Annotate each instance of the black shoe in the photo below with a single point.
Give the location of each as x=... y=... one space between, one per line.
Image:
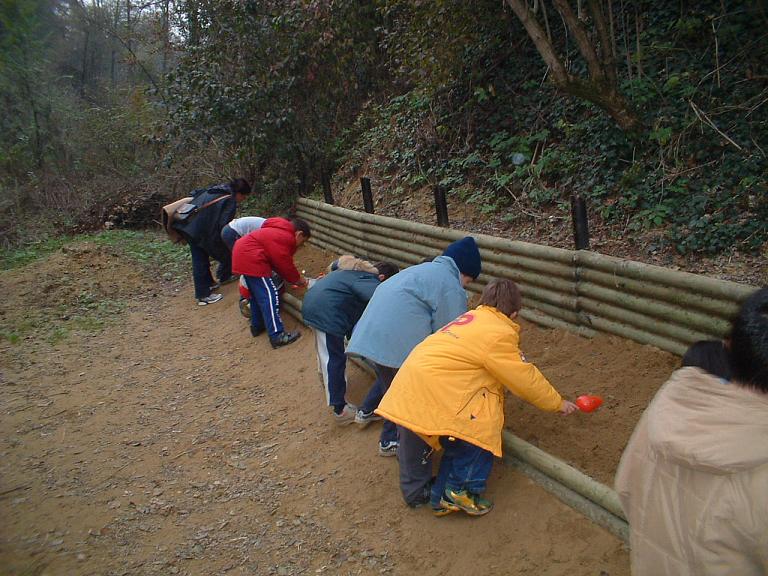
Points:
x=423 y=498
x=256 y=331
x=284 y=338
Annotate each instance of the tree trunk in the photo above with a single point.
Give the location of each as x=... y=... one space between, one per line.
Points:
x=602 y=86
x=166 y=35
x=84 y=72
x=129 y=40
x=113 y=48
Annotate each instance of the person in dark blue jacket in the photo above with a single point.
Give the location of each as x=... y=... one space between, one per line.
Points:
x=217 y=205
x=332 y=307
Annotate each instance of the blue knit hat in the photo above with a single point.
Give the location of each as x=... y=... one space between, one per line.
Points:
x=466 y=255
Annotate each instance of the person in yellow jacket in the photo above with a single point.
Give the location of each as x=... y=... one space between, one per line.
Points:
x=450 y=391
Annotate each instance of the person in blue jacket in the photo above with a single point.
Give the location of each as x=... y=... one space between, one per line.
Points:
x=403 y=311
x=332 y=307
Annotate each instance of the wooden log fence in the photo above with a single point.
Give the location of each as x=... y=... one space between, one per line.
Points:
x=579 y=290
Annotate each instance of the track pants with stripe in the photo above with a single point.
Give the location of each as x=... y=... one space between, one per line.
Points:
x=333 y=365
x=265 y=305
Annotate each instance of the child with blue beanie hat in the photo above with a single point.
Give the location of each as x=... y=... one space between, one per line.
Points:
x=466 y=255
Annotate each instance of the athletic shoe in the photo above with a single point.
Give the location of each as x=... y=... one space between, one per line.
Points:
x=346 y=416
x=245 y=307
x=365 y=418
x=472 y=504
x=215 y=286
x=210 y=299
x=284 y=338
x=256 y=331
x=439 y=511
x=388 y=448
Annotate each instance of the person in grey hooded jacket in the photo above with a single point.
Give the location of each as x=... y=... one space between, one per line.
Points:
x=403 y=311
x=693 y=480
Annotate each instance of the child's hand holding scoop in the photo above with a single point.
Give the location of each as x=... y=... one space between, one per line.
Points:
x=567 y=407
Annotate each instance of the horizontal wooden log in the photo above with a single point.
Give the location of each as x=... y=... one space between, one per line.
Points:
x=725 y=309
x=711 y=287
x=597 y=309
x=434 y=246
x=599 y=515
x=542 y=319
x=638 y=335
x=658 y=312
x=377 y=234
x=305 y=205
x=563 y=473
x=489 y=269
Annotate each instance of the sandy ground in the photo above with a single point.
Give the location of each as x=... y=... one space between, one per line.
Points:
x=172 y=442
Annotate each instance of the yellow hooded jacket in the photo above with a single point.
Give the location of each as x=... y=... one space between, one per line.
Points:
x=452 y=384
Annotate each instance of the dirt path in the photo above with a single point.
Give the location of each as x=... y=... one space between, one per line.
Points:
x=172 y=442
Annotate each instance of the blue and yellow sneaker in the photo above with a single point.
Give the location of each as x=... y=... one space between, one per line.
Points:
x=472 y=504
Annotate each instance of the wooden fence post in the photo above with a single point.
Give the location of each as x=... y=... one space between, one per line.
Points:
x=365 y=185
x=441 y=207
x=580 y=223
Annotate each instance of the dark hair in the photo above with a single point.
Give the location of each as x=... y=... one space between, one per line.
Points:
x=502 y=294
x=386 y=268
x=749 y=342
x=240 y=186
x=709 y=355
x=301 y=226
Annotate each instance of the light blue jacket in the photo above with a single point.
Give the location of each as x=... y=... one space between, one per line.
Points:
x=407 y=308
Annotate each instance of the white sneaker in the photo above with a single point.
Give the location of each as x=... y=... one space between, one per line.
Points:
x=388 y=448
x=347 y=415
x=210 y=299
x=365 y=418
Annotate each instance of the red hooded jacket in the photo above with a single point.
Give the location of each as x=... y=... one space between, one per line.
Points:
x=269 y=248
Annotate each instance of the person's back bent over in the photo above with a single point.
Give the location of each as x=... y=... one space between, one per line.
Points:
x=254 y=256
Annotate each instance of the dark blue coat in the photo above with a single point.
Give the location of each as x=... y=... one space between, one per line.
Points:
x=204 y=228
x=336 y=302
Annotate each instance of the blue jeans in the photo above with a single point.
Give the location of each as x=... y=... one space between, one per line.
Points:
x=464 y=467
x=201 y=271
x=384 y=377
x=265 y=305
x=229 y=236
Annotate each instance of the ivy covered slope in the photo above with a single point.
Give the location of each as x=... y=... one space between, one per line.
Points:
x=473 y=107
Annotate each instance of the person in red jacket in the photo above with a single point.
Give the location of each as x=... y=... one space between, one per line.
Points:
x=256 y=256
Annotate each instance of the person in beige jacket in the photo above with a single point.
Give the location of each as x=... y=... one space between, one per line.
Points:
x=693 y=480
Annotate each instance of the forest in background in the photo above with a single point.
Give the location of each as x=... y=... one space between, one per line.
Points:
x=655 y=112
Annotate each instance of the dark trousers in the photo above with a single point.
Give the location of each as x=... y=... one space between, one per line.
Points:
x=229 y=237
x=201 y=271
x=464 y=467
x=414 y=456
x=415 y=459
x=333 y=364
x=224 y=271
x=265 y=305
x=374 y=396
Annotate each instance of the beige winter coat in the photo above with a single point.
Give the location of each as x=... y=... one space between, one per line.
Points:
x=693 y=480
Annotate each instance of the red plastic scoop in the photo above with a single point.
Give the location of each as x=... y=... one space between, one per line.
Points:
x=589 y=403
